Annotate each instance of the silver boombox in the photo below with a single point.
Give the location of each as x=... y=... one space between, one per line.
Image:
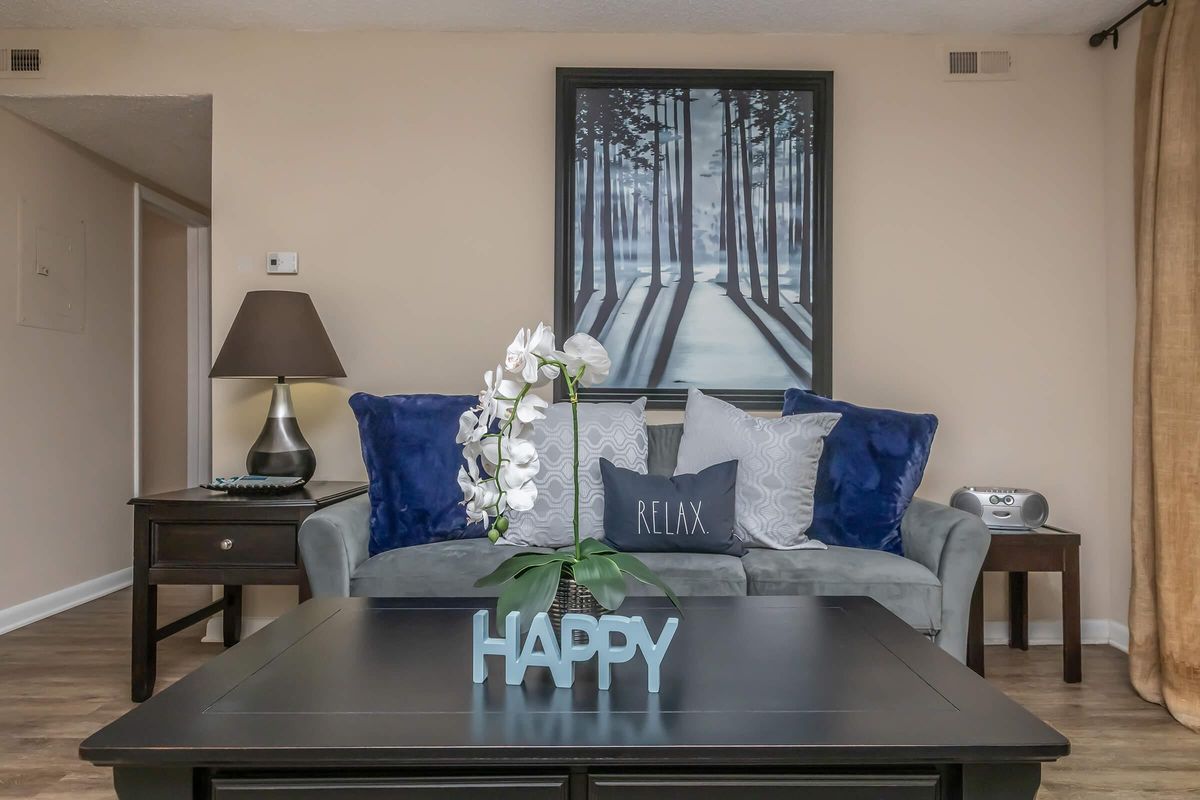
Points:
x=1003 y=509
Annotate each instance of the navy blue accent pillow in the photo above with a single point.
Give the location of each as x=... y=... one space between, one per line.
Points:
x=680 y=514
x=412 y=463
x=870 y=469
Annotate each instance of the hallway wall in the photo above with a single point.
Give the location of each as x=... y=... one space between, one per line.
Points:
x=66 y=424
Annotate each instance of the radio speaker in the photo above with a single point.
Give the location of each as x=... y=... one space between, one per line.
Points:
x=1003 y=508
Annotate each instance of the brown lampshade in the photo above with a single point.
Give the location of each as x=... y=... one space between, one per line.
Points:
x=277 y=334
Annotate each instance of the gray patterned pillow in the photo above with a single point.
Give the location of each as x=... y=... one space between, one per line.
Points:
x=777 y=466
x=616 y=431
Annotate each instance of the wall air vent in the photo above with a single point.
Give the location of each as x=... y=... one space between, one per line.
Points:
x=961 y=64
x=20 y=62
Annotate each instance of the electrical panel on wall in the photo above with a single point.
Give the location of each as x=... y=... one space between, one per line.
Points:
x=20 y=62
x=53 y=271
x=977 y=64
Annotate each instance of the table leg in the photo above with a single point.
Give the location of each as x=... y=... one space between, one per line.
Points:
x=231 y=617
x=1072 y=638
x=1018 y=610
x=1016 y=781
x=145 y=624
x=144 y=640
x=975 y=629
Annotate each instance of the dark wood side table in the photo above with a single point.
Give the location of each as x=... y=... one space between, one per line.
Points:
x=198 y=536
x=1018 y=553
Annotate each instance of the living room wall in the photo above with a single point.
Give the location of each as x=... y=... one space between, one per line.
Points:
x=414 y=175
x=66 y=425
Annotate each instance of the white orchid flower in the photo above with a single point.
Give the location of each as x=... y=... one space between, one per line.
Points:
x=523 y=497
x=520 y=466
x=492 y=450
x=485 y=499
x=529 y=409
x=526 y=352
x=583 y=351
x=488 y=409
x=468 y=476
x=469 y=429
x=475 y=513
x=472 y=450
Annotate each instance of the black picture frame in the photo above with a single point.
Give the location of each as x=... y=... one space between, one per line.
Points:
x=820 y=83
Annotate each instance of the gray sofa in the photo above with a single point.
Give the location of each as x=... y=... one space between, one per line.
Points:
x=929 y=588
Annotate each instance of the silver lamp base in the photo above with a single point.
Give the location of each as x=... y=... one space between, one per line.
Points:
x=281 y=450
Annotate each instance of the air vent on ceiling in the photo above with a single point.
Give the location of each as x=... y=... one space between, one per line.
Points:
x=978 y=65
x=20 y=62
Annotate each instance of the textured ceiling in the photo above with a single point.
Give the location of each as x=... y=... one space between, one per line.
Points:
x=167 y=140
x=651 y=16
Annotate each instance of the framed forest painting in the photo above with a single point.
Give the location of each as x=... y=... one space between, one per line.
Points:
x=693 y=230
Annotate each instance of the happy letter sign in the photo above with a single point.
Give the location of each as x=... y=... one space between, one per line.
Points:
x=560 y=656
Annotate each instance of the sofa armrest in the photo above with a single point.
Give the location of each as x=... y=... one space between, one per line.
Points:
x=952 y=545
x=333 y=543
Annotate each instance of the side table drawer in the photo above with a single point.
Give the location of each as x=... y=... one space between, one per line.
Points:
x=186 y=544
x=768 y=787
x=549 y=787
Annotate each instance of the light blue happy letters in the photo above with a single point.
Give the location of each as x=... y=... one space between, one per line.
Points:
x=542 y=649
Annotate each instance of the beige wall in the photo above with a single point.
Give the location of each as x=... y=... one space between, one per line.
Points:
x=1120 y=69
x=65 y=417
x=414 y=173
x=163 y=368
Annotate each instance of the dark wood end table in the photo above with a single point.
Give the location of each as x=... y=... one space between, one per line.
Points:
x=198 y=536
x=1018 y=553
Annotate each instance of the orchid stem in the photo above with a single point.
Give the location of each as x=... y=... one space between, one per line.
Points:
x=573 y=393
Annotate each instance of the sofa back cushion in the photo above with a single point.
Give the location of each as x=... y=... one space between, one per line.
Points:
x=662 y=448
x=412 y=463
x=616 y=431
x=872 y=465
x=777 y=465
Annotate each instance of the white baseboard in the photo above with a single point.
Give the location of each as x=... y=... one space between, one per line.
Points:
x=1049 y=631
x=48 y=605
x=250 y=625
x=1118 y=635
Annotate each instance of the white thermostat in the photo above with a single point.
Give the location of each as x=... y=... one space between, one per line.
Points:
x=282 y=264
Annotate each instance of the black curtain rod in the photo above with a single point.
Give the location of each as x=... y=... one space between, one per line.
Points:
x=1098 y=37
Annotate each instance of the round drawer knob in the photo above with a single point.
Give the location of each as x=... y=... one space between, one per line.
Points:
x=227 y=544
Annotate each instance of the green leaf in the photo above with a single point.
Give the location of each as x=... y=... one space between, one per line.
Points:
x=530 y=592
x=602 y=577
x=593 y=547
x=518 y=564
x=631 y=566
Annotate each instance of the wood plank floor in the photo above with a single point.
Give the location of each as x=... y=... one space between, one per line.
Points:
x=65 y=677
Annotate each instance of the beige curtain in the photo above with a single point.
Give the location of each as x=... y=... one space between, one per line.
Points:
x=1164 y=609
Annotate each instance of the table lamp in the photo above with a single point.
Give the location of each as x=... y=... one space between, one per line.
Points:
x=278 y=335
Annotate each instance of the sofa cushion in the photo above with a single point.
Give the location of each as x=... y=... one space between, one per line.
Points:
x=662 y=453
x=683 y=514
x=690 y=574
x=440 y=569
x=616 y=431
x=412 y=462
x=777 y=465
x=871 y=467
x=904 y=587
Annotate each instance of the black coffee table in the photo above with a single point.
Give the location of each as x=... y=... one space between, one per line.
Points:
x=764 y=698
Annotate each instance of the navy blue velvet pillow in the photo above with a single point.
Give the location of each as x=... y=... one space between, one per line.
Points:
x=680 y=514
x=412 y=463
x=871 y=467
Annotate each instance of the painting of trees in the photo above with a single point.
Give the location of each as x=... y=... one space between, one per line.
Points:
x=730 y=293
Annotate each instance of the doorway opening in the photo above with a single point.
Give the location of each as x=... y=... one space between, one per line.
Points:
x=172 y=397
